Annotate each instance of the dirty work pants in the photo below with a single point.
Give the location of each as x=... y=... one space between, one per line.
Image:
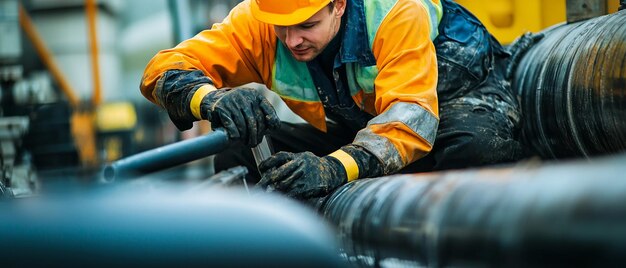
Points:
x=479 y=115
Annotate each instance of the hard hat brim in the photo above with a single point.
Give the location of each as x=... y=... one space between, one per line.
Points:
x=294 y=18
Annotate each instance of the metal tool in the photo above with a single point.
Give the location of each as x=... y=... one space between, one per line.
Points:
x=262 y=151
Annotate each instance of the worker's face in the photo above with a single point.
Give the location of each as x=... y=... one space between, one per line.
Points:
x=309 y=38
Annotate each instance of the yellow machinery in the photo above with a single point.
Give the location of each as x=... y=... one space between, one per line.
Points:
x=90 y=117
x=508 y=19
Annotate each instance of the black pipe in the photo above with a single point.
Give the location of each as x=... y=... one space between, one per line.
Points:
x=568 y=215
x=572 y=86
x=167 y=156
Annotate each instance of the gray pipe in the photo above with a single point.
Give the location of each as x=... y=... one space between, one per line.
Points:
x=569 y=215
x=130 y=227
x=572 y=87
x=167 y=156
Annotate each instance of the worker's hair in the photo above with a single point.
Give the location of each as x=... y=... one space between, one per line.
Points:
x=331 y=5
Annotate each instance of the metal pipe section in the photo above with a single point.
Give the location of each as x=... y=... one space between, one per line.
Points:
x=572 y=86
x=167 y=156
x=565 y=215
x=129 y=227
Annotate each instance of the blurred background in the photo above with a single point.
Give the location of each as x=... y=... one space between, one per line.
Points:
x=70 y=70
x=69 y=77
x=70 y=104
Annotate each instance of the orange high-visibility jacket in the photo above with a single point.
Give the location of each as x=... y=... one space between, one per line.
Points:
x=398 y=87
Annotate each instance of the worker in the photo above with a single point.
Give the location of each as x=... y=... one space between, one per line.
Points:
x=385 y=86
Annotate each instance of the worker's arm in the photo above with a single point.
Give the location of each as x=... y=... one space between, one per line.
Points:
x=404 y=130
x=406 y=90
x=235 y=52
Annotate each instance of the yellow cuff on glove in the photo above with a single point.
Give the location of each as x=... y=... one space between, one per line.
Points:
x=196 y=99
x=352 y=169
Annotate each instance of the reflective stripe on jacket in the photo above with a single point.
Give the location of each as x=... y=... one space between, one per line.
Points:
x=392 y=74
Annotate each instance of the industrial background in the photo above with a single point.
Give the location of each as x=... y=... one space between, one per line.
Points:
x=71 y=105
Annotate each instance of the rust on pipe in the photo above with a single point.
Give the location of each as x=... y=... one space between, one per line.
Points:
x=91 y=11
x=46 y=57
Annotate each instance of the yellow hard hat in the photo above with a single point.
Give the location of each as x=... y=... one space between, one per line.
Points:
x=286 y=12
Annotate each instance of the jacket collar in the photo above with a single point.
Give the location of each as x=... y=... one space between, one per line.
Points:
x=355 y=45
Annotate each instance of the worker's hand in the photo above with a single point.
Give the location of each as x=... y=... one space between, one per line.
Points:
x=243 y=112
x=302 y=175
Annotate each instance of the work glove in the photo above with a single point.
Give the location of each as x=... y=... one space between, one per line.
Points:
x=302 y=175
x=244 y=113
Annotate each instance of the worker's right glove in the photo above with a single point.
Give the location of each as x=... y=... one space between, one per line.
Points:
x=305 y=175
x=243 y=112
x=302 y=175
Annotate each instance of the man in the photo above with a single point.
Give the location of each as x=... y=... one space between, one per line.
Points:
x=378 y=81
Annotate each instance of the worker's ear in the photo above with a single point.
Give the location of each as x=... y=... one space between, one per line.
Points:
x=340 y=7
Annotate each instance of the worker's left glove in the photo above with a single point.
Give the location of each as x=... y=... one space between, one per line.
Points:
x=302 y=175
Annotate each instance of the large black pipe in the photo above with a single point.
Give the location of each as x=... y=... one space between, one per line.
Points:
x=167 y=156
x=568 y=215
x=572 y=87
